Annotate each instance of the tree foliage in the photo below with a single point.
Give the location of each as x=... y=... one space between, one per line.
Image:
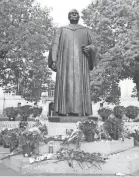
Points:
x=115 y=24
x=25 y=36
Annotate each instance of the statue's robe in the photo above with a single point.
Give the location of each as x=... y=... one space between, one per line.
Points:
x=72 y=90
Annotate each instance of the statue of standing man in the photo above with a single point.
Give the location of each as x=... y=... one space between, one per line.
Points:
x=72 y=56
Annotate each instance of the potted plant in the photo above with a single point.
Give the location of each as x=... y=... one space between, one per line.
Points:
x=13 y=142
x=36 y=111
x=119 y=111
x=113 y=127
x=89 y=129
x=4 y=138
x=28 y=141
x=132 y=112
x=25 y=112
x=135 y=135
x=6 y=141
x=104 y=113
x=11 y=113
x=14 y=138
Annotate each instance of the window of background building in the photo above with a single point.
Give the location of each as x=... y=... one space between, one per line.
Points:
x=51 y=90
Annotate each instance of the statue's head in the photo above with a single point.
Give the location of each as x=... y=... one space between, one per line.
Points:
x=73 y=16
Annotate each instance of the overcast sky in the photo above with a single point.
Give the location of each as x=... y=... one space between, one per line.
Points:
x=60 y=8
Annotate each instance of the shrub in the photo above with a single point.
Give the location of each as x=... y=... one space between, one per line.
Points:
x=11 y=112
x=119 y=111
x=36 y=111
x=25 y=112
x=132 y=112
x=114 y=128
x=104 y=113
x=88 y=127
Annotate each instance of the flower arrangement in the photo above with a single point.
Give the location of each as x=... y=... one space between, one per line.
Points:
x=119 y=111
x=104 y=113
x=113 y=127
x=10 y=138
x=69 y=132
x=4 y=137
x=88 y=126
x=25 y=112
x=28 y=141
x=36 y=111
x=95 y=159
x=89 y=129
x=132 y=132
x=13 y=141
x=43 y=129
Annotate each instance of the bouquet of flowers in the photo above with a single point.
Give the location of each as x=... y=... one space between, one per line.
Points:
x=89 y=129
x=104 y=113
x=28 y=141
x=5 y=137
x=43 y=129
x=36 y=111
x=25 y=112
x=113 y=127
x=95 y=159
x=10 y=138
x=132 y=132
x=15 y=135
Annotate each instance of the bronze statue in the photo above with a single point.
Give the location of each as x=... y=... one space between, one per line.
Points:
x=72 y=56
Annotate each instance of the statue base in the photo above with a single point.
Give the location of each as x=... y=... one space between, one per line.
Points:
x=71 y=119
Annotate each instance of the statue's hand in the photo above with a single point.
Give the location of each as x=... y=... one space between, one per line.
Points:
x=54 y=67
x=86 y=50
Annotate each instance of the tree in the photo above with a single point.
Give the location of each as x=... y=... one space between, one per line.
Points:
x=25 y=36
x=115 y=26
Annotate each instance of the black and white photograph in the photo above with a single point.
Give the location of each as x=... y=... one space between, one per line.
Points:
x=69 y=88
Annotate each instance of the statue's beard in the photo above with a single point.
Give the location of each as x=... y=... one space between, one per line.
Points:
x=74 y=21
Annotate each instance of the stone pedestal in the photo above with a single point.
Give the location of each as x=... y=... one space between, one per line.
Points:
x=59 y=128
x=68 y=119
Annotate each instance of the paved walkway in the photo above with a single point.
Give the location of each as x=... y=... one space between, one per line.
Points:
x=4 y=171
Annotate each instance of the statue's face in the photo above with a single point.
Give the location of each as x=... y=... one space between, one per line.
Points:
x=73 y=16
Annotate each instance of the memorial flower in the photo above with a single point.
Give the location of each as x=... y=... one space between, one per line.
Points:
x=89 y=127
x=94 y=159
x=132 y=131
x=28 y=141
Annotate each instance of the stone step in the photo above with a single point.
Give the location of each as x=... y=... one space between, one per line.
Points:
x=70 y=119
x=126 y=162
